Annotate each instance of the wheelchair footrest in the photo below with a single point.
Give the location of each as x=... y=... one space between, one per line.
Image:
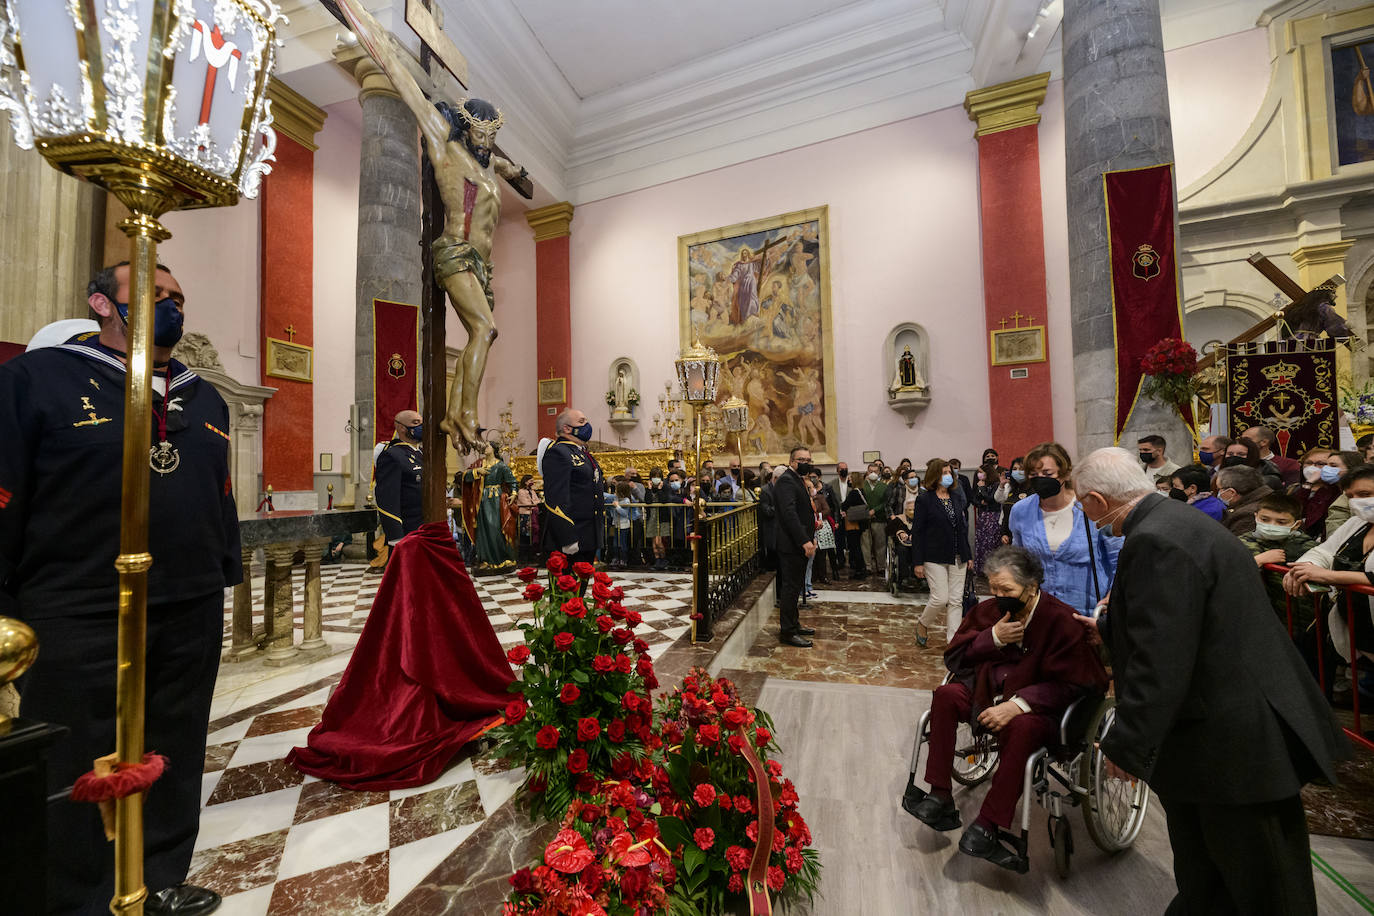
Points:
x=1015 y=858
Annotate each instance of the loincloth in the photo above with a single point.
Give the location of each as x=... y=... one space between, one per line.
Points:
x=455 y=256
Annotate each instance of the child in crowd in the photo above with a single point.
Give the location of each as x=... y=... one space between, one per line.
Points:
x=1279 y=538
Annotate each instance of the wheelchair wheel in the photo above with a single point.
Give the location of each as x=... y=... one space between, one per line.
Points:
x=1115 y=811
x=892 y=570
x=975 y=756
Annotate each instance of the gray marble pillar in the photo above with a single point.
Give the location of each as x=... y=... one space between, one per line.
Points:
x=1116 y=116
x=388 y=234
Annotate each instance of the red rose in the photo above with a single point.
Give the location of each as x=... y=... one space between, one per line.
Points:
x=623 y=663
x=515 y=711
x=622 y=636
x=616 y=731
x=734 y=717
x=761 y=737
x=708 y=734
x=721 y=699
x=585 y=784
x=600 y=589
x=522 y=881
x=617 y=593
x=533 y=592
x=737 y=857
x=603 y=664
x=634 y=882
x=547 y=738
x=574 y=607
x=641 y=646
x=644 y=666
x=776 y=878
x=557 y=562
x=704 y=795
x=623 y=765
x=569 y=694
x=651 y=681
x=583 y=569
x=630 y=701
x=633 y=619
x=577 y=761
x=605 y=624
x=603 y=578
x=563 y=641
x=518 y=655
x=704 y=837
x=567 y=583
x=736 y=743
x=592 y=879
x=588 y=729
x=617 y=610
x=527 y=574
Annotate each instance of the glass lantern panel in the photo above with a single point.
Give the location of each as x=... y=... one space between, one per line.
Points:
x=125 y=31
x=55 y=93
x=213 y=82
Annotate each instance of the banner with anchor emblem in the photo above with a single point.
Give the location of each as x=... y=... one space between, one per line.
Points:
x=1293 y=394
x=396 y=362
x=1145 y=301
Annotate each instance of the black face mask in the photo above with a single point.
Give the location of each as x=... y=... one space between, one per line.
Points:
x=1180 y=495
x=843 y=472
x=806 y=469
x=1234 y=461
x=1045 y=487
x=1009 y=604
x=1147 y=457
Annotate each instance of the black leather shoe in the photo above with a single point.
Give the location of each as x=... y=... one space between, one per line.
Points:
x=794 y=640
x=182 y=900
x=805 y=631
x=982 y=843
x=936 y=814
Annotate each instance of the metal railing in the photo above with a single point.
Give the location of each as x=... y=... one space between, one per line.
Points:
x=655 y=536
x=727 y=559
x=1347 y=594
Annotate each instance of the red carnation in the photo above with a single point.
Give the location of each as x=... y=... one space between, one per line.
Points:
x=563 y=641
x=752 y=831
x=583 y=569
x=577 y=761
x=567 y=583
x=605 y=624
x=603 y=664
x=776 y=878
x=574 y=607
x=557 y=562
x=527 y=574
x=738 y=857
x=588 y=729
x=793 y=859
x=743 y=805
x=533 y=592
x=515 y=711
x=704 y=795
x=704 y=837
x=518 y=655
x=569 y=694
x=547 y=738
x=522 y=881
x=623 y=663
x=725 y=804
x=735 y=884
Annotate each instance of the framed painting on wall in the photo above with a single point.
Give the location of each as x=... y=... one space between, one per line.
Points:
x=1352 y=101
x=1014 y=346
x=553 y=390
x=758 y=293
x=286 y=359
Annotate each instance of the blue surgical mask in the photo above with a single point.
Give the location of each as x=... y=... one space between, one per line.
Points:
x=584 y=432
x=167 y=321
x=1204 y=456
x=417 y=432
x=947 y=480
x=1018 y=475
x=1330 y=474
x=1268 y=532
x=675 y=485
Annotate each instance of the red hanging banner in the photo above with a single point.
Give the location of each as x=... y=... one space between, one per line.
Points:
x=396 y=363
x=1145 y=301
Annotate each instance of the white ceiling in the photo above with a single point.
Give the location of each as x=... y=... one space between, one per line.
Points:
x=607 y=96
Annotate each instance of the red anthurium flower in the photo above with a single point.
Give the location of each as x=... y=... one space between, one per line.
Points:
x=568 y=852
x=629 y=852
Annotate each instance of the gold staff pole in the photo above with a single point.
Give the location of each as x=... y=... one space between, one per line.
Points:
x=698 y=369
x=698 y=506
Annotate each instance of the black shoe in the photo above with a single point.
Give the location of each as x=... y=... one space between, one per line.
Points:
x=936 y=814
x=805 y=631
x=796 y=640
x=982 y=843
x=182 y=900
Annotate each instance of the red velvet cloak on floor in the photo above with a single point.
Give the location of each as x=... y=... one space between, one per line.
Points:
x=428 y=674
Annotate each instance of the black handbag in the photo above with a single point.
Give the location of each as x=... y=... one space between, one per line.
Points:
x=970 y=592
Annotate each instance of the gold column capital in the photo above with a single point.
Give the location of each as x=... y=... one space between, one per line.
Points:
x=294 y=115
x=551 y=222
x=1007 y=105
x=1322 y=253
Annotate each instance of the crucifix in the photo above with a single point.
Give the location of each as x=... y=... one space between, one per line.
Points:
x=460 y=164
x=290 y=332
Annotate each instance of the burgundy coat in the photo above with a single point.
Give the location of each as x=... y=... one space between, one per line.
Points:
x=1051 y=667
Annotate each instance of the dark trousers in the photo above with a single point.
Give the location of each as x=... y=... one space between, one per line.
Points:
x=791 y=576
x=853 y=541
x=1020 y=738
x=73 y=684
x=1250 y=859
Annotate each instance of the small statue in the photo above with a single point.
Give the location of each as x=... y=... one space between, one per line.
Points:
x=488 y=486
x=622 y=393
x=908 y=377
x=1305 y=320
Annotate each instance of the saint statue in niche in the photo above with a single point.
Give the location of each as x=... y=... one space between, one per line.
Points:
x=908 y=376
x=622 y=393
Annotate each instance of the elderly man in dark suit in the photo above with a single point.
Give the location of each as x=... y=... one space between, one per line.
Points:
x=1214 y=707
x=796 y=528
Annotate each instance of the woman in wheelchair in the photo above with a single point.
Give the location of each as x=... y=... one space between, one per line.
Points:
x=899 y=533
x=1016 y=663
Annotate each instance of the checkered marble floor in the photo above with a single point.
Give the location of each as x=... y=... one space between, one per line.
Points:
x=274 y=841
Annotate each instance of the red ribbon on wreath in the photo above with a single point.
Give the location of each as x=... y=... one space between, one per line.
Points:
x=757 y=889
x=111 y=780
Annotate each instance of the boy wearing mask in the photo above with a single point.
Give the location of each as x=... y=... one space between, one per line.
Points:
x=1279 y=538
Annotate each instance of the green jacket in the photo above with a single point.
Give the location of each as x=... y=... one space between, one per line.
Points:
x=875 y=494
x=1293 y=546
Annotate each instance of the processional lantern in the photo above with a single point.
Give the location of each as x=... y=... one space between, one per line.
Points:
x=736 y=413
x=698 y=371
x=162 y=103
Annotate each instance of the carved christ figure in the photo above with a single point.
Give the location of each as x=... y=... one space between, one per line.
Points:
x=459 y=139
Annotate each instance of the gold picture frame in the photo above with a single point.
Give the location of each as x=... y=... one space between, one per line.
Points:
x=553 y=391
x=326 y=462
x=779 y=357
x=1018 y=346
x=289 y=360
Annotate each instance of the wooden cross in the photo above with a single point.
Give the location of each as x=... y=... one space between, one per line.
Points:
x=291 y=333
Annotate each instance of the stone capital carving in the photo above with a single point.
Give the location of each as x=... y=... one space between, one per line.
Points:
x=197 y=352
x=551 y=222
x=364 y=70
x=1008 y=105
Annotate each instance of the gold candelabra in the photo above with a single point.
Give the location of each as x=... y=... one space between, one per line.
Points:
x=670 y=428
x=508 y=433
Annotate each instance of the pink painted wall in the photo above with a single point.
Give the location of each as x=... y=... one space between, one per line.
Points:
x=511 y=368
x=1215 y=91
x=336 y=260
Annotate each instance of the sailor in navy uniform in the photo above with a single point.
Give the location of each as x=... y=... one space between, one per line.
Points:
x=573 y=502
x=397 y=473
x=61 y=441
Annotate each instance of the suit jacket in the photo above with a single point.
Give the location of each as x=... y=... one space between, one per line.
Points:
x=398 y=471
x=934 y=539
x=768 y=515
x=1051 y=667
x=796 y=520
x=1213 y=702
x=574 y=507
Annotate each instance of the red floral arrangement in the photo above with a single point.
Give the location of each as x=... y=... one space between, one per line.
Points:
x=583 y=710
x=607 y=860
x=711 y=811
x=1169 y=367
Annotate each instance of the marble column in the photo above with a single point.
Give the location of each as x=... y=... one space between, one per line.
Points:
x=388 y=234
x=279 y=611
x=313 y=631
x=243 y=644
x=1116 y=116
x=50 y=224
x=553 y=301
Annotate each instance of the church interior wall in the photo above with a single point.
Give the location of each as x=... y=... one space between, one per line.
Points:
x=1215 y=91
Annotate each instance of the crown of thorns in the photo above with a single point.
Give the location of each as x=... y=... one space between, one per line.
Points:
x=481 y=123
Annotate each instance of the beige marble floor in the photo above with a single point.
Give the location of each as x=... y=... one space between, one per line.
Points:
x=847 y=747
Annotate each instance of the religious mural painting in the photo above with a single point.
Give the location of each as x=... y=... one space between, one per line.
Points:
x=758 y=293
x=1352 y=102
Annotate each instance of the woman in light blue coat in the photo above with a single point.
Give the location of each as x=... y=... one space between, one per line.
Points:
x=1079 y=561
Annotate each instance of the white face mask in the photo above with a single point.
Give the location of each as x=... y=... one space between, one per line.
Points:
x=1312 y=473
x=655 y=480
x=872 y=476
x=1270 y=532
x=1363 y=508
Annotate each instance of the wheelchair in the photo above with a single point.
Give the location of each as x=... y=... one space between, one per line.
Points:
x=1069 y=774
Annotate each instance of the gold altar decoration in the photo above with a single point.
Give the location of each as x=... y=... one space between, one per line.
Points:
x=163 y=104
x=612 y=463
x=18 y=649
x=508 y=435
x=670 y=426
